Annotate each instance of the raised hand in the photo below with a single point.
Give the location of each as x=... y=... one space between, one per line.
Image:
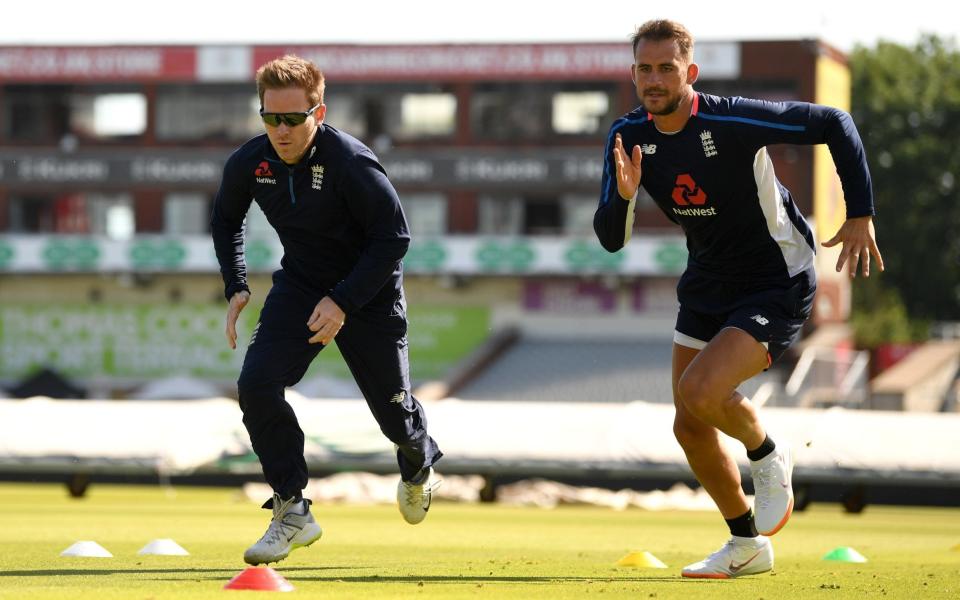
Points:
x=628 y=169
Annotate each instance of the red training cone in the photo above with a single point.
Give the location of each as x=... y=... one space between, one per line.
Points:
x=259 y=578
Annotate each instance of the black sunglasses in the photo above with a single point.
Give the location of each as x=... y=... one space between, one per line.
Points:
x=292 y=119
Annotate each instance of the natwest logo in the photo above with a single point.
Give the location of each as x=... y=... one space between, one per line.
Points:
x=263 y=170
x=687 y=192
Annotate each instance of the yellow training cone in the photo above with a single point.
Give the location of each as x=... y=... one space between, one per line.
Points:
x=641 y=559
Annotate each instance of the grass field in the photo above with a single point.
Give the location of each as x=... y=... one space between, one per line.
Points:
x=460 y=551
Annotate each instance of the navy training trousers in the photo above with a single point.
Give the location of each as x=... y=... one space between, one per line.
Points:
x=374 y=345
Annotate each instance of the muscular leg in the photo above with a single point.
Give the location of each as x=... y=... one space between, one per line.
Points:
x=704 y=391
x=707 y=387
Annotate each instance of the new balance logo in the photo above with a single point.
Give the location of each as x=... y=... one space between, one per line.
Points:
x=398 y=398
x=648 y=149
x=761 y=319
x=253 y=336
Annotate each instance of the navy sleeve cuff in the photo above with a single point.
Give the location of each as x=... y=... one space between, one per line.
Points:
x=234 y=288
x=341 y=301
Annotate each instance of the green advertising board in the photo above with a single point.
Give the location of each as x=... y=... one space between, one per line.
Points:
x=438 y=338
x=134 y=342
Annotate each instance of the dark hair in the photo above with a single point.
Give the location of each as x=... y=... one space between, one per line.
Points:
x=658 y=30
x=291 y=72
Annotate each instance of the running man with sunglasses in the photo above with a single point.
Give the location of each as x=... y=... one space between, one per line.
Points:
x=344 y=235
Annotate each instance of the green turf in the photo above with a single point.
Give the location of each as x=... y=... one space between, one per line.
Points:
x=460 y=551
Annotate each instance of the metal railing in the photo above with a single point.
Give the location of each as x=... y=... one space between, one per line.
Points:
x=827 y=377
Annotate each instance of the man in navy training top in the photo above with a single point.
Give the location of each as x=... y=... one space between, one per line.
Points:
x=341 y=277
x=749 y=283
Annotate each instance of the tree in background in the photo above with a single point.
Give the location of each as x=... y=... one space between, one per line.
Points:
x=906 y=102
x=881 y=317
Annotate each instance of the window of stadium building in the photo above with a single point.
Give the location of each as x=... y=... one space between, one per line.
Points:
x=506 y=111
x=35 y=113
x=519 y=215
x=381 y=114
x=426 y=213
x=186 y=213
x=499 y=215
x=347 y=112
x=427 y=115
x=578 y=211
x=36 y=214
x=185 y=112
x=54 y=113
x=542 y=216
x=109 y=215
x=108 y=115
x=580 y=113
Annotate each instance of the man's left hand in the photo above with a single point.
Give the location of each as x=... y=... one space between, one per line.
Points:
x=326 y=321
x=858 y=243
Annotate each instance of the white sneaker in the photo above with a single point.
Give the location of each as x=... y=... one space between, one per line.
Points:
x=292 y=527
x=739 y=556
x=414 y=498
x=773 y=490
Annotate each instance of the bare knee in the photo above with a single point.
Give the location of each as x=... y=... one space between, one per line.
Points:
x=697 y=394
x=691 y=432
x=686 y=434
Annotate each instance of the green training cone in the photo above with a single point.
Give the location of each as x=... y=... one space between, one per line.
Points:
x=845 y=554
x=641 y=559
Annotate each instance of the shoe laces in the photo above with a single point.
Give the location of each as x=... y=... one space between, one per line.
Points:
x=418 y=498
x=279 y=529
x=763 y=476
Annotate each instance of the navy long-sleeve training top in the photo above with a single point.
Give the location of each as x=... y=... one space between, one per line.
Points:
x=337 y=215
x=715 y=179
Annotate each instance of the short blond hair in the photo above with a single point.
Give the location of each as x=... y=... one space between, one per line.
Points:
x=659 y=30
x=291 y=71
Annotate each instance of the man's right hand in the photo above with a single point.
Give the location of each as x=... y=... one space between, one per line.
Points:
x=628 y=169
x=237 y=302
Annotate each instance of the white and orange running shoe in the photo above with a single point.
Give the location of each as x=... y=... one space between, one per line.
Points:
x=739 y=556
x=773 y=490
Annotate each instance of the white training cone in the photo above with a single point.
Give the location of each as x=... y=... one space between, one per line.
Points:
x=87 y=548
x=164 y=547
